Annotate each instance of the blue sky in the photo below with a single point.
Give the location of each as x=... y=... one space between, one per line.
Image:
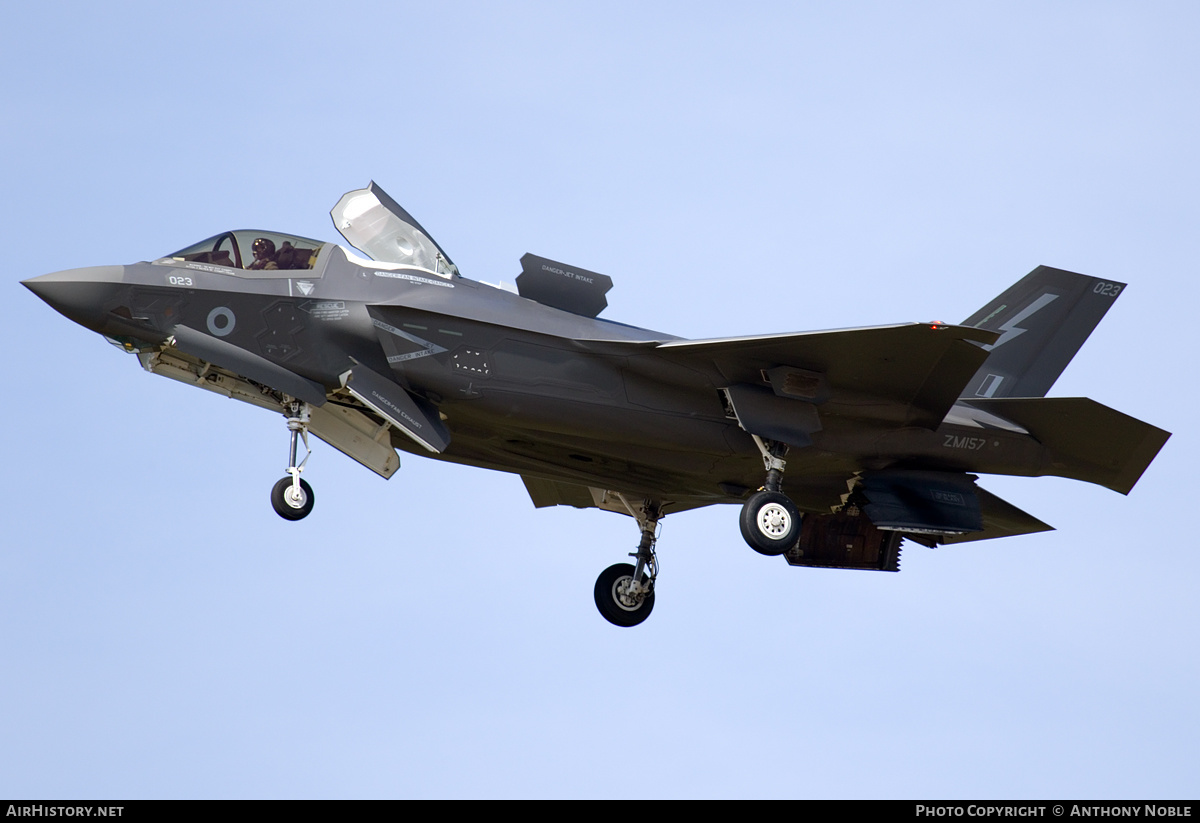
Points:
x=778 y=167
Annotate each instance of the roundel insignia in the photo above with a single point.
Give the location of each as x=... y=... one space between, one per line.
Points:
x=221 y=321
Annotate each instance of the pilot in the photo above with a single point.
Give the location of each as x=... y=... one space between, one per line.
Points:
x=264 y=255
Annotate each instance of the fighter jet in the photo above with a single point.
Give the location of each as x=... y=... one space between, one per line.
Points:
x=837 y=445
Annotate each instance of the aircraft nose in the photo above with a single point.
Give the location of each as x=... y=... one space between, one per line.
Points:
x=78 y=294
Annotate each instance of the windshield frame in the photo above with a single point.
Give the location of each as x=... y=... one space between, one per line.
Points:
x=231 y=253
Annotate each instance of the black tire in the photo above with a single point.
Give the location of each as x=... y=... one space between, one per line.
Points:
x=285 y=506
x=610 y=605
x=770 y=523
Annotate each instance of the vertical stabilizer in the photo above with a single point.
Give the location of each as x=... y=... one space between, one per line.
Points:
x=1043 y=319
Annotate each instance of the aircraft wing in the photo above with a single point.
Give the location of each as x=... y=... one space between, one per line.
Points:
x=544 y=492
x=920 y=368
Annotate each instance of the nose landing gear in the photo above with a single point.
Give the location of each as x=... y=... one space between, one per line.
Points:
x=292 y=498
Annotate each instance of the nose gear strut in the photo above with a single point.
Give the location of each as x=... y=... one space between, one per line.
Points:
x=292 y=497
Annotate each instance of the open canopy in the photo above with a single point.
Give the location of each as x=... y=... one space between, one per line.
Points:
x=372 y=221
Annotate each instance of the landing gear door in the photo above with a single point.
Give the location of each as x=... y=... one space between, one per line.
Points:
x=376 y=224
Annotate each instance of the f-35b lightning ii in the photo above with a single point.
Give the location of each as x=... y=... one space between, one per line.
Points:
x=837 y=445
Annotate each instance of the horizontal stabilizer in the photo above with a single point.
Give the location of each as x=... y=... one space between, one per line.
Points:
x=921 y=502
x=247 y=364
x=1043 y=319
x=941 y=507
x=560 y=286
x=1086 y=440
x=1000 y=519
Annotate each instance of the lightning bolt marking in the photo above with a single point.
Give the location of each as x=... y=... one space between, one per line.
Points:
x=1012 y=330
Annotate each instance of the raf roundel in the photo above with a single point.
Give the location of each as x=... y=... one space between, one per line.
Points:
x=221 y=321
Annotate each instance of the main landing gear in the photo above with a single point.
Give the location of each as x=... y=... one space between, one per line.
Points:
x=624 y=592
x=292 y=498
x=770 y=521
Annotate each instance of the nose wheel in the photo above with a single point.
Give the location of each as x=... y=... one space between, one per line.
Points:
x=292 y=498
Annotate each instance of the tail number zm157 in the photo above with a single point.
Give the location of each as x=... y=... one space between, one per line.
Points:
x=953 y=441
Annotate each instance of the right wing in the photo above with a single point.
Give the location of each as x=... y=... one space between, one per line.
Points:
x=918 y=369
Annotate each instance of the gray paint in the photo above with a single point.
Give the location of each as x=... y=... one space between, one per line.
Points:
x=581 y=406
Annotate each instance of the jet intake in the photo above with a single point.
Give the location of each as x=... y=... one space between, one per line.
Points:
x=560 y=286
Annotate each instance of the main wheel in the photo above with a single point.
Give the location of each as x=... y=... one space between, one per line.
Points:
x=288 y=504
x=770 y=523
x=613 y=600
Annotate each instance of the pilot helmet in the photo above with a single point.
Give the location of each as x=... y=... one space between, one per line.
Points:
x=264 y=248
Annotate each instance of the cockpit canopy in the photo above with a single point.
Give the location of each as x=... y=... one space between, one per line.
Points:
x=372 y=221
x=253 y=251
